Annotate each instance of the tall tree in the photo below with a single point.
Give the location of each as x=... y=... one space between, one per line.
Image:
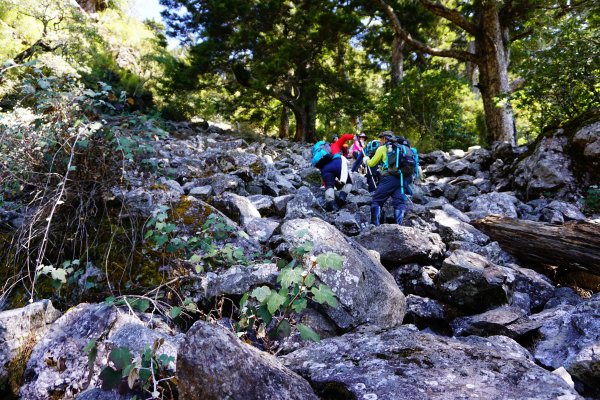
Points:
x=492 y=24
x=279 y=48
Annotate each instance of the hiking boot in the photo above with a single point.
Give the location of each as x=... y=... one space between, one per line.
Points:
x=375 y=215
x=340 y=198
x=399 y=215
x=330 y=206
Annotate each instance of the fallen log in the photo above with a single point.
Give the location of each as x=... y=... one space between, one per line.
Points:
x=573 y=245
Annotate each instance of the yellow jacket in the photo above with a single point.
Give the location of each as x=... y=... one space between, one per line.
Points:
x=380 y=156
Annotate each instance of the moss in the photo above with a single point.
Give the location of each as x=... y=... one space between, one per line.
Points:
x=16 y=367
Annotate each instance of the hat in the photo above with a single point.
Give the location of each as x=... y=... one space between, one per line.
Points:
x=363 y=135
x=386 y=134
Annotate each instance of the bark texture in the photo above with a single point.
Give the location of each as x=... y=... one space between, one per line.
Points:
x=573 y=245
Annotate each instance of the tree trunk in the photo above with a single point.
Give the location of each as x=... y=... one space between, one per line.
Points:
x=492 y=52
x=573 y=245
x=284 y=122
x=397 y=62
x=305 y=111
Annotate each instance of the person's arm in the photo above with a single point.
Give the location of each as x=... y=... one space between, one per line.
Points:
x=380 y=156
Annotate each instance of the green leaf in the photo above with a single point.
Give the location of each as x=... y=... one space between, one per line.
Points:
x=261 y=293
x=142 y=305
x=306 y=333
x=324 y=295
x=275 y=301
x=309 y=280
x=175 y=312
x=244 y=299
x=330 y=260
x=289 y=276
x=264 y=314
x=59 y=274
x=284 y=329
x=299 y=304
x=110 y=378
x=120 y=356
x=148 y=234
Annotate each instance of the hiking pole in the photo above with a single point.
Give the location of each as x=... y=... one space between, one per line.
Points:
x=369 y=169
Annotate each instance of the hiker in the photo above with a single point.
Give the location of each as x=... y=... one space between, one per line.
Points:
x=333 y=167
x=339 y=145
x=373 y=175
x=357 y=151
x=396 y=177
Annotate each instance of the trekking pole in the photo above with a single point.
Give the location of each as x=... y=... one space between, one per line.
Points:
x=369 y=169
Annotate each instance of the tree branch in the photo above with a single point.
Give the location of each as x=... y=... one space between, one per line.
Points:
x=451 y=15
x=419 y=46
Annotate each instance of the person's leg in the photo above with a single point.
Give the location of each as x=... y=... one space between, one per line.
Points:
x=329 y=173
x=387 y=186
x=358 y=161
x=399 y=202
x=343 y=194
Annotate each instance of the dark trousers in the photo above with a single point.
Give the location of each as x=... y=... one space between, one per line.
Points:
x=331 y=171
x=358 y=158
x=389 y=186
x=373 y=176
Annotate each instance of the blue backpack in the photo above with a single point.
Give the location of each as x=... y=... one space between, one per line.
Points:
x=321 y=154
x=402 y=158
x=371 y=147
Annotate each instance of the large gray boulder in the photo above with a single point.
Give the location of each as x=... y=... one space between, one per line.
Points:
x=495 y=203
x=588 y=138
x=303 y=205
x=573 y=342
x=405 y=364
x=238 y=208
x=402 y=244
x=453 y=229
x=213 y=364
x=20 y=329
x=64 y=343
x=366 y=292
x=547 y=169
x=471 y=281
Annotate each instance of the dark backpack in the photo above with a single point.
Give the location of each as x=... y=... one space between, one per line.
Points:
x=371 y=147
x=321 y=154
x=401 y=157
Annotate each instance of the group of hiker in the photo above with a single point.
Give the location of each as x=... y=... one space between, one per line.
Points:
x=390 y=162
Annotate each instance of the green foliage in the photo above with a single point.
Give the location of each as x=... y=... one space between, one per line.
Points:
x=270 y=312
x=148 y=373
x=433 y=108
x=592 y=200
x=205 y=250
x=561 y=68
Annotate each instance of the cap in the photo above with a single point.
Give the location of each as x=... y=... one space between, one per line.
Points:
x=387 y=134
x=363 y=135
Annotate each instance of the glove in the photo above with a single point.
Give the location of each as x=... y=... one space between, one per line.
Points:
x=366 y=159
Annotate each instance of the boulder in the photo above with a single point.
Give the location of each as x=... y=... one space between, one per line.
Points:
x=504 y=204
x=568 y=211
x=238 y=208
x=58 y=365
x=405 y=364
x=573 y=342
x=471 y=281
x=366 y=292
x=415 y=279
x=20 y=329
x=213 y=364
x=539 y=288
x=347 y=223
x=261 y=229
x=454 y=229
x=237 y=280
x=303 y=205
x=547 y=169
x=401 y=244
x=490 y=323
x=427 y=313
x=588 y=138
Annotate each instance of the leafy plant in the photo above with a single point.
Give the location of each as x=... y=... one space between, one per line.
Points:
x=147 y=373
x=270 y=312
x=592 y=200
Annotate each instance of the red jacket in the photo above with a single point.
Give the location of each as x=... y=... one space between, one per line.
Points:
x=338 y=145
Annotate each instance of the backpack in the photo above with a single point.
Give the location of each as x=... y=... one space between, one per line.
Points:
x=402 y=158
x=371 y=147
x=321 y=154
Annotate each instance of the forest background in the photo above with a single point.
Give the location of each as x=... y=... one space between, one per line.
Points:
x=311 y=69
